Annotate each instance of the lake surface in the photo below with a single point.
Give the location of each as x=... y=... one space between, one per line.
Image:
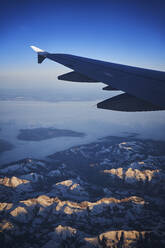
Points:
x=76 y=116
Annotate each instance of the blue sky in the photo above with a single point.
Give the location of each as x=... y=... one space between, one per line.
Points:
x=128 y=32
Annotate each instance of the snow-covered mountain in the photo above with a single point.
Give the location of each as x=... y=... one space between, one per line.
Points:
x=105 y=194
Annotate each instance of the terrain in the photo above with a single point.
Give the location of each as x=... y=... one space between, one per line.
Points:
x=105 y=194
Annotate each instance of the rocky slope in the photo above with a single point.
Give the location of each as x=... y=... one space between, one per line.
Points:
x=104 y=194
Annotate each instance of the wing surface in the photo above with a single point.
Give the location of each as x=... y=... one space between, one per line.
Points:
x=148 y=86
x=127 y=103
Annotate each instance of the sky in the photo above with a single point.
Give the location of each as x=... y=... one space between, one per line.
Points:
x=122 y=31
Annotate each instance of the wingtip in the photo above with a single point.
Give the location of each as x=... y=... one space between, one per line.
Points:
x=36 y=49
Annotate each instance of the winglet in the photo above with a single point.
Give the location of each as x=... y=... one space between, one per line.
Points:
x=36 y=49
x=41 y=54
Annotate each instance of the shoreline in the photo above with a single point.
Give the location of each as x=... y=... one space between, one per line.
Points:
x=159 y=144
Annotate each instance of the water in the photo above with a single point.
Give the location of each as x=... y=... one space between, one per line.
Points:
x=77 y=116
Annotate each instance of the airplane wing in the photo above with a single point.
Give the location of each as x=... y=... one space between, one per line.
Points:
x=144 y=89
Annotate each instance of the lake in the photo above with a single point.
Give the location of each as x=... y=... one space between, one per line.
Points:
x=78 y=116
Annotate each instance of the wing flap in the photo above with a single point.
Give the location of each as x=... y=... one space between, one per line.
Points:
x=109 y=87
x=127 y=103
x=76 y=77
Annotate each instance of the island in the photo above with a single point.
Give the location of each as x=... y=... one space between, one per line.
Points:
x=42 y=133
